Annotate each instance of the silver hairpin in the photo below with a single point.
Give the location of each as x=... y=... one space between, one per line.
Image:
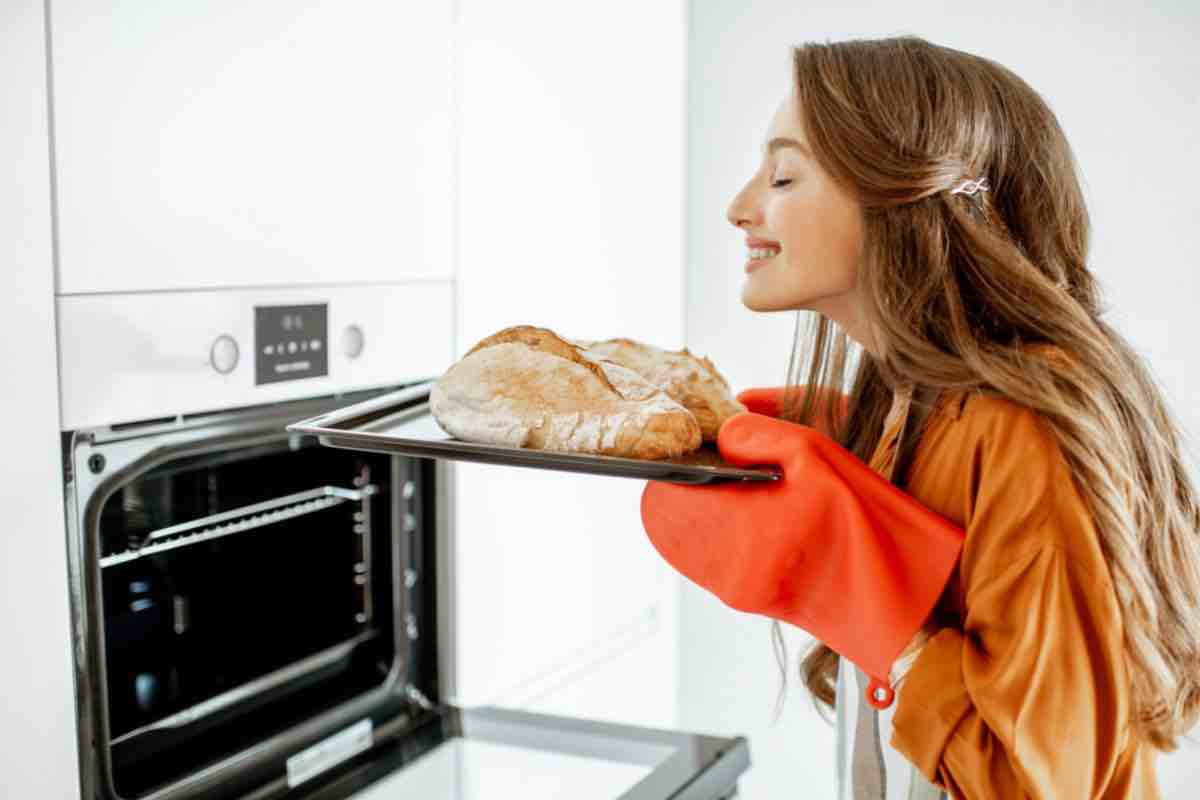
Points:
x=969 y=188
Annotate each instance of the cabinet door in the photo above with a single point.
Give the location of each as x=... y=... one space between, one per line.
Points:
x=39 y=757
x=223 y=143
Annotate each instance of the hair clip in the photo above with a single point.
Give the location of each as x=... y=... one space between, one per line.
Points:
x=969 y=188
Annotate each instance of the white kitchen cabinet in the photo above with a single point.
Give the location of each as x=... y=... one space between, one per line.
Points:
x=230 y=144
x=37 y=727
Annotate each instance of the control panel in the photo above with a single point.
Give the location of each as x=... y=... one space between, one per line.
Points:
x=290 y=342
x=199 y=351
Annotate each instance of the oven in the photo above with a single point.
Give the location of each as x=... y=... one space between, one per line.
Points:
x=256 y=221
x=256 y=615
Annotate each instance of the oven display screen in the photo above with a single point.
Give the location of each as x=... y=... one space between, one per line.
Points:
x=290 y=342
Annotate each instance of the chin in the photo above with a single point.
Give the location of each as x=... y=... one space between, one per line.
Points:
x=764 y=301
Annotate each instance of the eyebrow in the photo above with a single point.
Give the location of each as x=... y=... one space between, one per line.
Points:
x=782 y=141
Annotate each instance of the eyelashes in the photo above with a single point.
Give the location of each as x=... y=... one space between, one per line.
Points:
x=781 y=183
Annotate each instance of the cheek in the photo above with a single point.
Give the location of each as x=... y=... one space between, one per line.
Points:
x=822 y=240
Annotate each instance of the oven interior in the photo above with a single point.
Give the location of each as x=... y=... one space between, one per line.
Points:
x=240 y=583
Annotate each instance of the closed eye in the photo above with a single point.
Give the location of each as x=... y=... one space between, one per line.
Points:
x=777 y=184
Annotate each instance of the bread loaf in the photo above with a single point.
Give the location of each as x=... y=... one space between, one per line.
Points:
x=691 y=381
x=527 y=387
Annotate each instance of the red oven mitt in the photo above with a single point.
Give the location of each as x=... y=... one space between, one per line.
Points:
x=831 y=546
x=768 y=400
x=765 y=400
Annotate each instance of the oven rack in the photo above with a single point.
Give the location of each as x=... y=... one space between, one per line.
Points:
x=242 y=519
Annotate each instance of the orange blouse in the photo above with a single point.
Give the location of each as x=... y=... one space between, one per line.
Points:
x=1024 y=691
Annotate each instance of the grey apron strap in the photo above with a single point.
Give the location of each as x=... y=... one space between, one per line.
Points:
x=867 y=769
x=919 y=787
x=868 y=772
x=870 y=777
x=842 y=732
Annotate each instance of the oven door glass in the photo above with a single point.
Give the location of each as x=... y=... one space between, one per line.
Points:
x=240 y=585
x=468 y=769
x=495 y=754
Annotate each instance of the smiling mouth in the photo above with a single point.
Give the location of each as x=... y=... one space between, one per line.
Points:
x=760 y=257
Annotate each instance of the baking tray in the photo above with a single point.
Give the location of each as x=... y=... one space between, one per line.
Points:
x=400 y=422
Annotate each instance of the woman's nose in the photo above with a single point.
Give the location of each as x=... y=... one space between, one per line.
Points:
x=744 y=209
x=741 y=210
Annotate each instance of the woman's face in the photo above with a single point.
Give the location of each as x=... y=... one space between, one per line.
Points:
x=813 y=226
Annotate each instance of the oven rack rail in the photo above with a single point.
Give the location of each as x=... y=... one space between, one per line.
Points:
x=240 y=520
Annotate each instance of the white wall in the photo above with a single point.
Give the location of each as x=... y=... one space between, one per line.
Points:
x=570 y=217
x=1124 y=85
x=37 y=726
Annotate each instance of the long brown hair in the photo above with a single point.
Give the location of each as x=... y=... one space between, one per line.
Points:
x=958 y=286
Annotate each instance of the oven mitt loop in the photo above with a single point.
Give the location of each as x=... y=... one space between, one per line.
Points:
x=830 y=546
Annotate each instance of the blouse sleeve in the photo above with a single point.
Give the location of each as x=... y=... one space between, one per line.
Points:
x=1030 y=697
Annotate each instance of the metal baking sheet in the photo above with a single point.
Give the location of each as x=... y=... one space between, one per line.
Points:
x=400 y=422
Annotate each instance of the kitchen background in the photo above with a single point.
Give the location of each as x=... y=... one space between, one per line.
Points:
x=559 y=164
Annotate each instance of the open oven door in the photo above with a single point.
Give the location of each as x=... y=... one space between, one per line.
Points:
x=257 y=619
x=485 y=753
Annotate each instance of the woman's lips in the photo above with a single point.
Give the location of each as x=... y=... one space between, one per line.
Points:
x=755 y=263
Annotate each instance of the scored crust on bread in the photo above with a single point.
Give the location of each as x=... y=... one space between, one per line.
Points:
x=527 y=387
x=690 y=380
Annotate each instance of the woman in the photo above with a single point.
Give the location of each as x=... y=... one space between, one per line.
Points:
x=1024 y=597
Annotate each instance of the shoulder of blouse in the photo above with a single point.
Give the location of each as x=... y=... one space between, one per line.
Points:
x=994 y=463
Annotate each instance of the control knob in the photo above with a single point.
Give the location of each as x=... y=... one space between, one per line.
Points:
x=224 y=354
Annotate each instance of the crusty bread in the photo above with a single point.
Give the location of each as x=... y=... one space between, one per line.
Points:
x=694 y=382
x=527 y=387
